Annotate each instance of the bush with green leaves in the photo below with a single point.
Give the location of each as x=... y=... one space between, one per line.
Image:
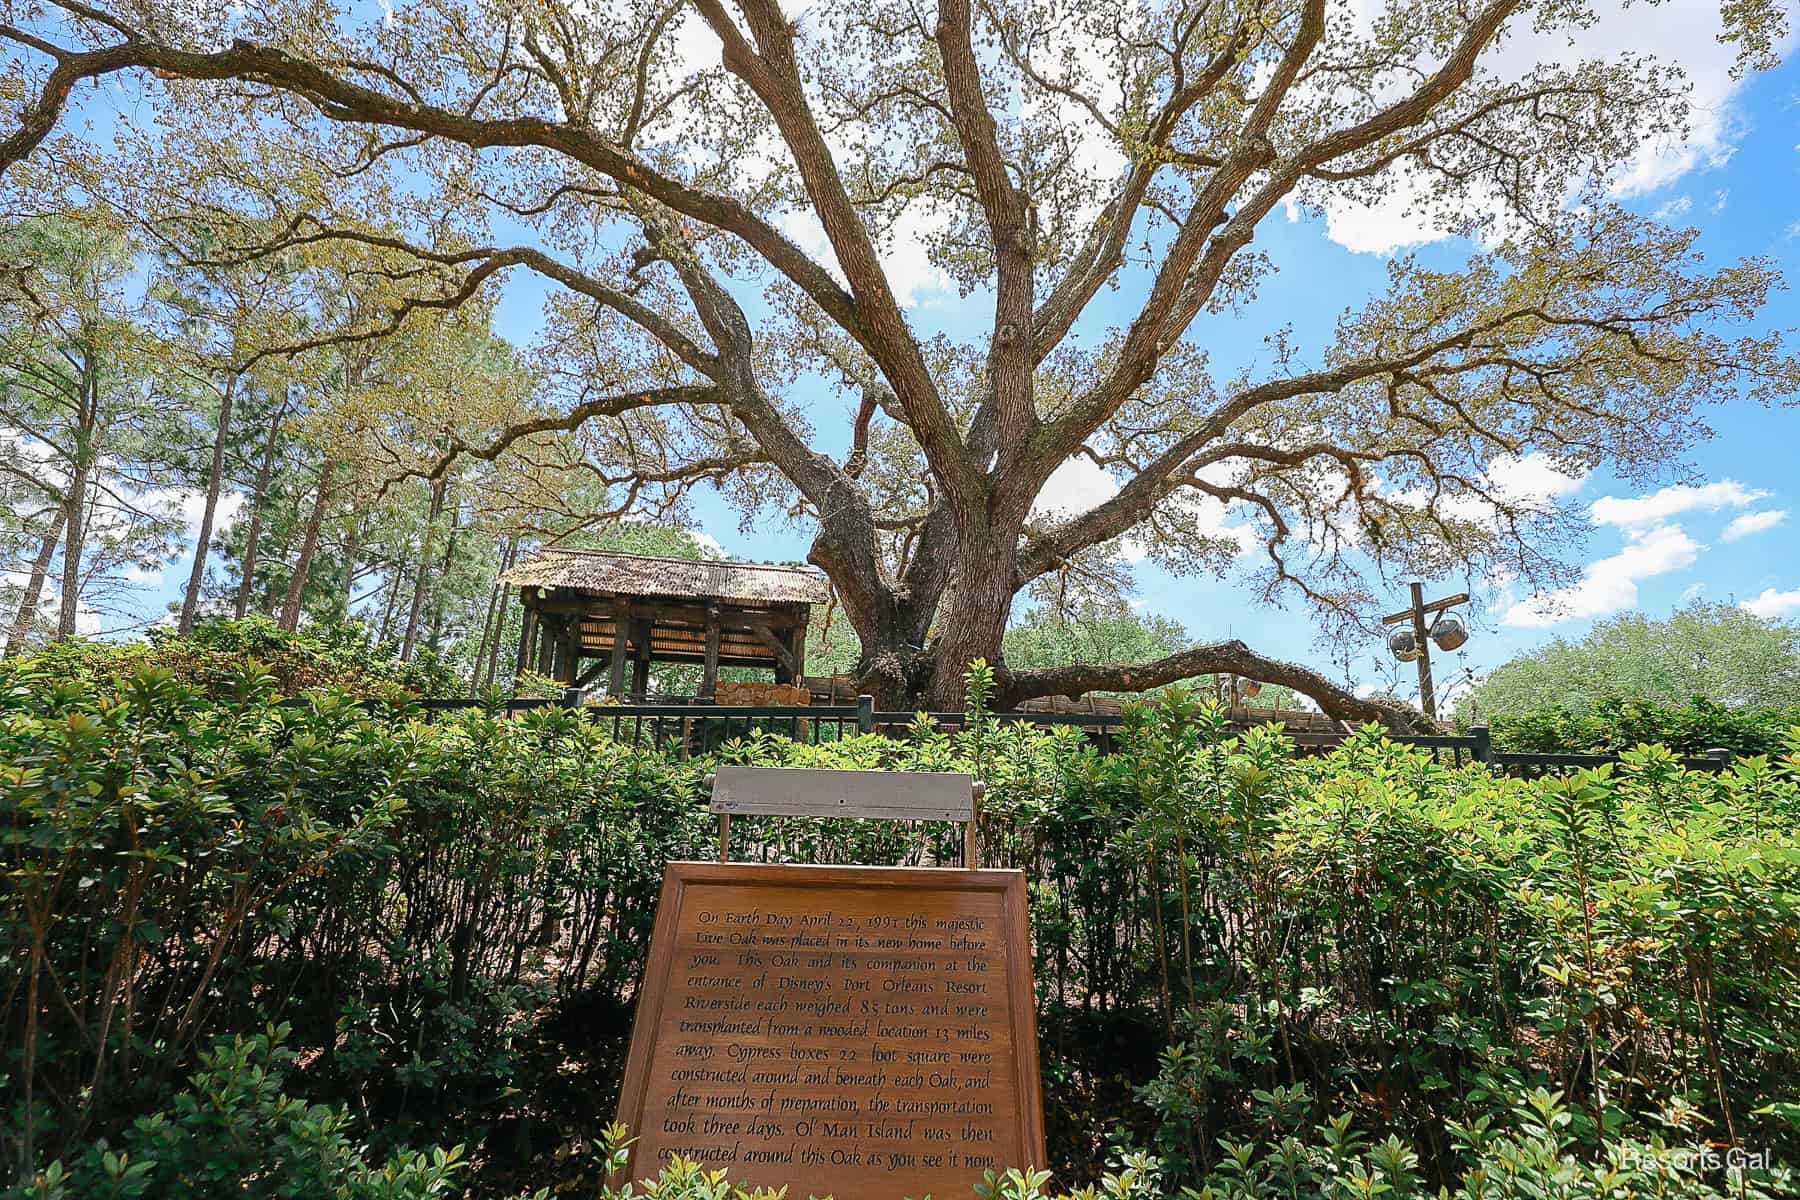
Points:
x=1609 y=726
x=235 y=1134
x=1234 y=945
x=342 y=658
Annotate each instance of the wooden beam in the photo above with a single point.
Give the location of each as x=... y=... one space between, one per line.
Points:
x=692 y=616
x=1431 y=609
x=797 y=647
x=568 y=652
x=784 y=657
x=709 y=673
x=616 y=681
x=546 y=643
x=640 y=670
x=527 y=631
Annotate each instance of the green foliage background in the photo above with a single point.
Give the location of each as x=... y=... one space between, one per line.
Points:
x=1720 y=652
x=249 y=949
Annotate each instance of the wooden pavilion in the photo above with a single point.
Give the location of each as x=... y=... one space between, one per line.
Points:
x=588 y=613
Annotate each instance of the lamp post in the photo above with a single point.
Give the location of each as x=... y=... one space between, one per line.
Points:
x=1414 y=644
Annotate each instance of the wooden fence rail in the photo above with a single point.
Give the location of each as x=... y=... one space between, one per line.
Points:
x=688 y=727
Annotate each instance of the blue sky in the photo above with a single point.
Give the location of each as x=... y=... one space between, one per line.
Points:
x=1721 y=531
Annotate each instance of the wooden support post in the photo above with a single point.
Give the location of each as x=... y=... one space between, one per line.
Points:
x=527 y=632
x=796 y=639
x=709 y=675
x=1427 y=692
x=783 y=648
x=546 y=643
x=621 y=632
x=640 y=670
x=972 y=828
x=569 y=650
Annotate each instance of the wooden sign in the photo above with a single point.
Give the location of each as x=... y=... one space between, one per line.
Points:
x=863 y=1032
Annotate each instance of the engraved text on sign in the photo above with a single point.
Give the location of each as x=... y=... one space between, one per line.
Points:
x=867 y=1032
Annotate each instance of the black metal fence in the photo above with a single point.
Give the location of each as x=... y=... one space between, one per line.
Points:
x=691 y=727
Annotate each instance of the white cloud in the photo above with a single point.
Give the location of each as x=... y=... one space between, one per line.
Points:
x=190 y=506
x=1672 y=210
x=1609 y=584
x=1721 y=198
x=1404 y=216
x=1080 y=484
x=1532 y=481
x=1693 y=591
x=1680 y=34
x=1771 y=603
x=1640 y=512
x=1533 y=477
x=1076 y=486
x=710 y=546
x=905 y=255
x=1755 y=522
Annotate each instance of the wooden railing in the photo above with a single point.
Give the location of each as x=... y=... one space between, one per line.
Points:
x=691 y=727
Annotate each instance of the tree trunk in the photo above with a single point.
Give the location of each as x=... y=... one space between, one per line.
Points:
x=34 y=587
x=74 y=525
x=264 y=472
x=215 y=477
x=492 y=623
x=392 y=602
x=352 y=548
x=972 y=618
x=422 y=578
x=440 y=593
x=309 y=543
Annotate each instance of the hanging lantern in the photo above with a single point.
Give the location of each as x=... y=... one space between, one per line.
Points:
x=1449 y=632
x=1404 y=645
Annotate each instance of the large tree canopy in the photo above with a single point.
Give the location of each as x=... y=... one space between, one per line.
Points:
x=722 y=195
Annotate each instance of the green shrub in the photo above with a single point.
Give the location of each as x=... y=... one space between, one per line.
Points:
x=1232 y=944
x=339 y=658
x=1610 y=726
x=235 y=1133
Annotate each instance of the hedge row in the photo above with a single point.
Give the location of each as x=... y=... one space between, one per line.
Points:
x=1362 y=973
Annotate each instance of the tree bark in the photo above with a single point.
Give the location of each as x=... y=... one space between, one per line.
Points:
x=390 y=604
x=34 y=587
x=972 y=618
x=439 y=594
x=215 y=477
x=1227 y=658
x=422 y=578
x=309 y=543
x=353 y=548
x=264 y=473
x=85 y=453
x=493 y=622
x=74 y=528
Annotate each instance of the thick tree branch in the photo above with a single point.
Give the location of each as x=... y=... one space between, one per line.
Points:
x=1217 y=658
x=770 y=70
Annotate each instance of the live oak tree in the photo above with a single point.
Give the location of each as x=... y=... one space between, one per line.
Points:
x=722 y=196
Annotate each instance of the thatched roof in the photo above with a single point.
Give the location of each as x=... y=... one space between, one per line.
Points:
x=684 y=578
